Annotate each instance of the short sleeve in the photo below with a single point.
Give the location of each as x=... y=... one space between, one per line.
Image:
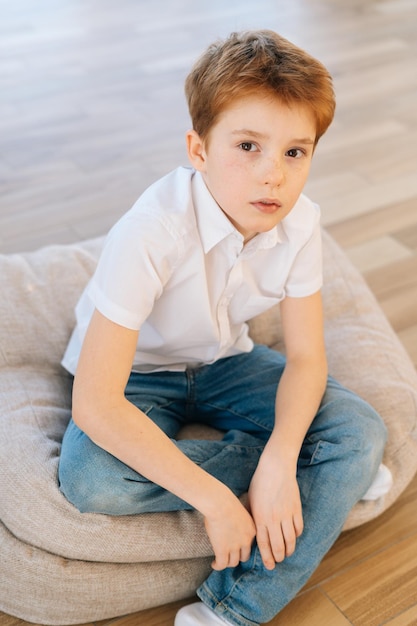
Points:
x=306 y=273
x=138 y=259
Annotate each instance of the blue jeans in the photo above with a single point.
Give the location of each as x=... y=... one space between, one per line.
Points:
x=338 y=461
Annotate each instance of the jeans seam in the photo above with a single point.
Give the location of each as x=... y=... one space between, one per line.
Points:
x=239 y=620
x=155 y=406
x=237 y=414
x=255 y=558
x=243 y=621
x=190 y=398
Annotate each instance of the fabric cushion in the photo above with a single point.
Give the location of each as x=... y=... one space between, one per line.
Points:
x=43 y=533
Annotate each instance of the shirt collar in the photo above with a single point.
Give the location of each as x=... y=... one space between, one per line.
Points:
x=214 y=226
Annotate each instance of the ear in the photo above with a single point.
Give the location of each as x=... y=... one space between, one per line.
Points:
x=195 y=150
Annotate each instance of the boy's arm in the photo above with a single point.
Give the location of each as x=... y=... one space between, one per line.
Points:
x=102 y=411
x=273 y=495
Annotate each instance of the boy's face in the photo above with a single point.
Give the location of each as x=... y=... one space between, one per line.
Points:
x=256 y=160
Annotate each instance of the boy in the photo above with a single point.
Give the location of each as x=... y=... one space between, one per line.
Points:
x=161 y=339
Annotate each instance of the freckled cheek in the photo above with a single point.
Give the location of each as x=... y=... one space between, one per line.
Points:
x=238 y=170
x=230 y=171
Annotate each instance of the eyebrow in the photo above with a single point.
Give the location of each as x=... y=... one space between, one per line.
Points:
x=256 y=135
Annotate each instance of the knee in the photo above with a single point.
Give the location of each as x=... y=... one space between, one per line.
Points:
x=376 y=432
x=78 y=484
x=90 y=478
x=95 y=490
x=77 y=492
x=357 y=429
x=353 y=419
x=363 y=436
x=368 y=429
x=370 y=436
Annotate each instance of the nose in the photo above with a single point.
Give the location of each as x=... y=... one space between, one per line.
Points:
x=274 y=174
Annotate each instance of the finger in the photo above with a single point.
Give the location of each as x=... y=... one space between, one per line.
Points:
x=221 y=561
x=289 y=535
x=298 y=524
x=277 y=542
x=264 y=546
x=231 y=560
x=218 y=566
x=234 y=559
x=245 y=554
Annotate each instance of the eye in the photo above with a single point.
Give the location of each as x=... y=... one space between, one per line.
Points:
x=295 y=153
x=247 y=146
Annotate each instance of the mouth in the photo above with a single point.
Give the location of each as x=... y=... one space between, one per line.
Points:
x=266 y=205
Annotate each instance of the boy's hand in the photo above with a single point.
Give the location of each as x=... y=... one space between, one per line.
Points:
x=231 y=531
x=275 y=505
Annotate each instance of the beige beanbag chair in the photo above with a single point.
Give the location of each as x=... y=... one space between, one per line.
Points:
x=59 y=566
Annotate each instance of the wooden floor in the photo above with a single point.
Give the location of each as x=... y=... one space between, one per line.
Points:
x=92 y=111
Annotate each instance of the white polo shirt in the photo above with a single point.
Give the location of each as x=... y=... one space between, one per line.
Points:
x=175 y=268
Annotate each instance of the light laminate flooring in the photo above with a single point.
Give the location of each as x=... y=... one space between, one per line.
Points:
x=92 y=111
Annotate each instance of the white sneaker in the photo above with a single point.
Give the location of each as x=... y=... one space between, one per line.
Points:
x=382 y=483
x=198 y=614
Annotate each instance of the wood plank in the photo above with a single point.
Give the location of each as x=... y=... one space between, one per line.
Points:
x=379 y=588
x=401 y=308
x=359 y=544
x=396 y=278
x=408 y=236
x=395 y=218
x=310 y=609
x=378 y=253
x=92 y=111
x=407 y=618
x=158 y=616
x=9 y=620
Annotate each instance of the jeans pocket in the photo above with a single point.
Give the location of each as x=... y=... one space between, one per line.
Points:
x=312 y=452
